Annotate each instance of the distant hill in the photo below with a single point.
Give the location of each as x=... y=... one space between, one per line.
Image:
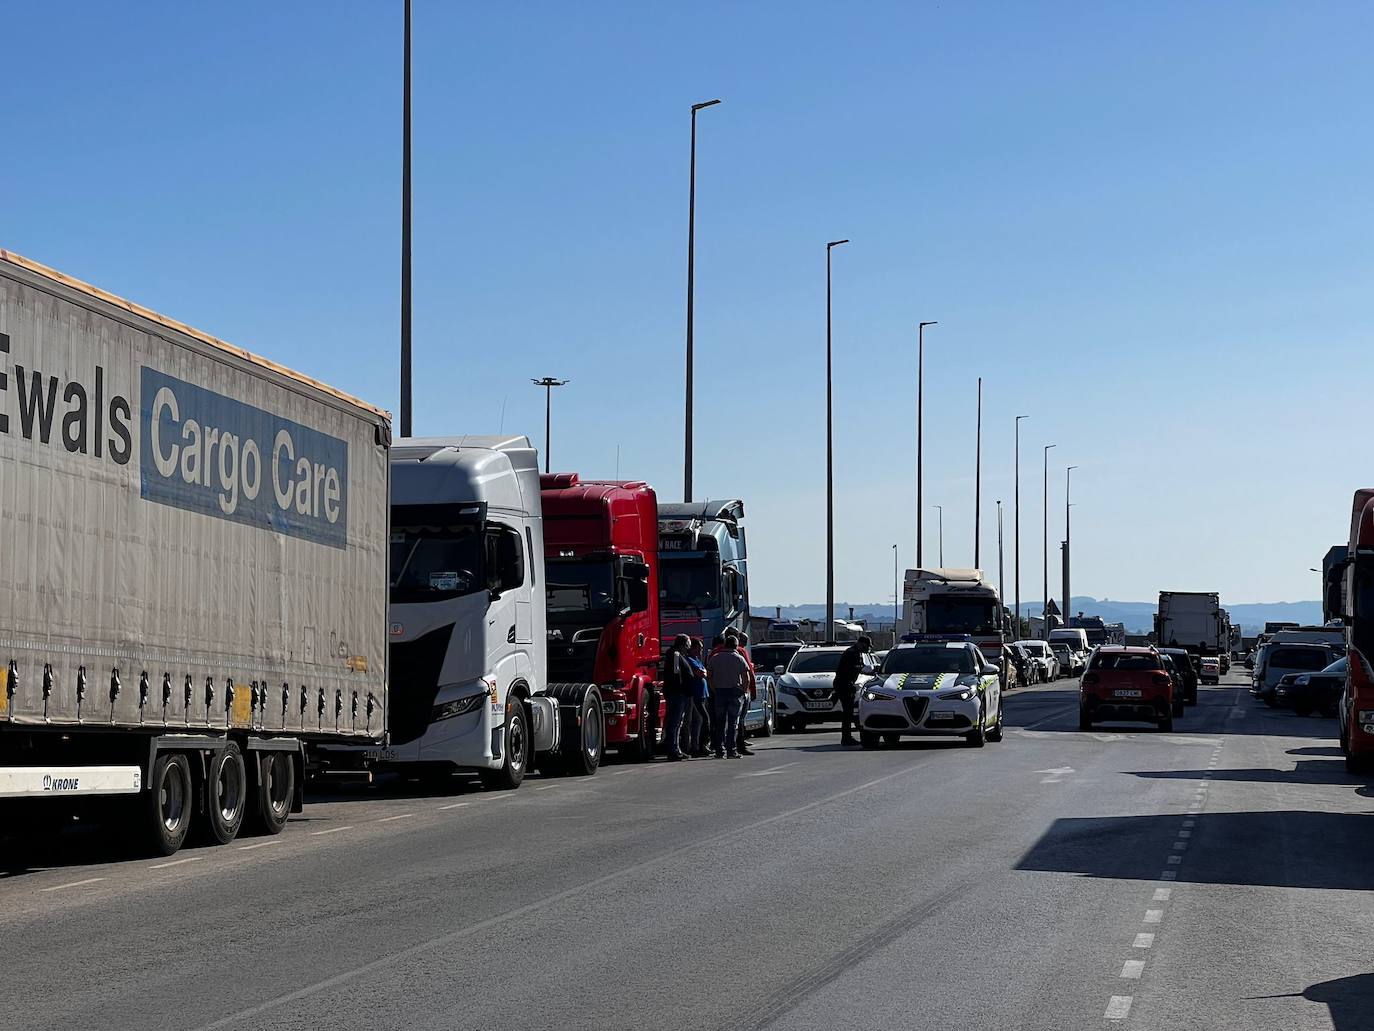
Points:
x=1138 y=616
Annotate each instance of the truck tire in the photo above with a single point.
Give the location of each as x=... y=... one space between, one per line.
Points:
x=641 y=749
x=584 y=734
x=168 y=803
x=275 y=790
x=515 y=751
x=226 y=794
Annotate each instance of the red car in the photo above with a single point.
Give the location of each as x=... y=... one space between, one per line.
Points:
x=1123 y=683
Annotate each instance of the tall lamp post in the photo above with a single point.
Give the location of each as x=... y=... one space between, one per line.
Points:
x=1067 y=596
x=1045 y=605
x=896 y=594
x=940 y=514
x=405 y=233
x=1016 y=521
x=691 y=283
x=829 y=460
x=978 y=482
x=1001 y=572
x=920 y=430
x=548 y=383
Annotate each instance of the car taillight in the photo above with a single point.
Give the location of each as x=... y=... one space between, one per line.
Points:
x=1089 y=679
x=1160 y=679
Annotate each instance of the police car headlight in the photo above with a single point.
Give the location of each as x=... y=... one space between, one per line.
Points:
x=962 y=694
x=871 y=695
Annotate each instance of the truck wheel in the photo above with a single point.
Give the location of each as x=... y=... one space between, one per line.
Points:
x=977 y=737
x=516 y=751
x=167 y=805
x=642 y=748
x=770 y=715
x=276 y=788
x=226 y=795
x=587 y=737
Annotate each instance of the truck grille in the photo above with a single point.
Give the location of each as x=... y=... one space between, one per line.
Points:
x=414 y=683
x=572 y=663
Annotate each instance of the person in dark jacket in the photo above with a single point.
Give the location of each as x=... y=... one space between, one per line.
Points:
x=846 y=679
x=679 y=685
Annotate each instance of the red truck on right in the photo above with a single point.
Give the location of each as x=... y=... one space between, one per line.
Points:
x=1356 y=710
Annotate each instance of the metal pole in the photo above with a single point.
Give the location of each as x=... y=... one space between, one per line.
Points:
x=896 y=593
x=920 y=431
x=1016 y=531
x=691 y=304
x=548 y=383
x=1001 y=572
x=1068 y=598
x=829 y=462
x=941 y=523
x=1045 y=604
x=405 y=233
x=978 y=482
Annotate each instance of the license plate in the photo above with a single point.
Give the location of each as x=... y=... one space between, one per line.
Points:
x=942 y=714
x=380 y=754
x=817 y=705
x=1126 y=693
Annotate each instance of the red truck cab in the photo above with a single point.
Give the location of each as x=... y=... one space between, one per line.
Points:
x=601 y=586
x=1356 y=709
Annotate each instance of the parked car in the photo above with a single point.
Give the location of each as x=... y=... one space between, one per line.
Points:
x=773 y=656
x=1175 y=669
x=1306 y=693
x=1071 y=663
x=806 y=690
x=1044 y=658
x=1024 y=665
x=1126 y=683
x=1278 y=660
x=1211 y=670
x=1183 y=662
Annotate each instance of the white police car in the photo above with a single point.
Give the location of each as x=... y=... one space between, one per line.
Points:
x=937 y=685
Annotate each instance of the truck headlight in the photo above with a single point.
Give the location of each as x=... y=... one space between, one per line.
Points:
x=1365 y=716
x=461 y=707
x=872 y=695
x=961 y=694
x=1301 y=680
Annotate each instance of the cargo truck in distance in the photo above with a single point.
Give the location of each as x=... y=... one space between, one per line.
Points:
x=601 y=585
x=195 y=554
x=1191 y=620
x=954 y=601
x=469 y=684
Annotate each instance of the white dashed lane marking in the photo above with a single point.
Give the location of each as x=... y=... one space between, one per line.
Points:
x=331 y=830
x=258 y=844
x=1162 y=894
x=73 y=884
x=1154 y=916
x=176 y=862
x=1132 y=969
x=1144 y=940
x=398 y=816
x=1118 y=1008
x=455 y=805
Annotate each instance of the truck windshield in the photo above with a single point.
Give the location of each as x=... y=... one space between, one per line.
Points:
x=928 y=659
x=581 y=588
x=689 y=583
x=435 y=563
x=949 y=614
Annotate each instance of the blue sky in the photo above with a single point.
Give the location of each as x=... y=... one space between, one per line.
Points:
x=1148 y=226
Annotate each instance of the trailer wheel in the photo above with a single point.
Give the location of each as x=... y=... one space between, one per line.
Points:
x=226 y=794
x=275 y=789
x=516 y=751
x=167 y=805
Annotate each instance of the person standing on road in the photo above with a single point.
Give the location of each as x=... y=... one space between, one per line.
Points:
x=699 y=722
x=751 y=692
x=729 y=674
x=846 y=679
x=678 y=684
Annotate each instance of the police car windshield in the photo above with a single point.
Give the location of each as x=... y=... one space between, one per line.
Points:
x=928 y=658
x=815 y=662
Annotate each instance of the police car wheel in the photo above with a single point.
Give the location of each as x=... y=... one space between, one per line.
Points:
x=977 y=737
x=995 y=734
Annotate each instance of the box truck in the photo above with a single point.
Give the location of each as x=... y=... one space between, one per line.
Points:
x=194 y=546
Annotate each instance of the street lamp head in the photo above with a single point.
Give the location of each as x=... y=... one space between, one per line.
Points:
x=549 y=381
x=1048 y=446
x=709 y=103
x=1071 y=468
x=1020 y=417
x=921 y=325
x=835 y=243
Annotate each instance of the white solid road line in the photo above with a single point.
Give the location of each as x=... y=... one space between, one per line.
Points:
x=73 y=884
x=398 y=816
x=259 y=844
x=1118 y=1007
x=1154 y=916
x=1132 y=969
x=331 y=830
x=176 y=862
x=455 y=805
x=1144 y=940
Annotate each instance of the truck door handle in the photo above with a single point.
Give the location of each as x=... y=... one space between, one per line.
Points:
x=510 y=634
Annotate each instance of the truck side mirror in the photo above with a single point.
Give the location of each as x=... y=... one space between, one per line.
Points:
x=635 y=570
x=636 y=595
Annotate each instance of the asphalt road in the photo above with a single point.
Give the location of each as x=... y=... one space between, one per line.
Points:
x=1216 y=877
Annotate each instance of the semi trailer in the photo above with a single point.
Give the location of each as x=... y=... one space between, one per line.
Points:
x=194 y=544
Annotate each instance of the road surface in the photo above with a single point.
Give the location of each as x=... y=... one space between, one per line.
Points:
x=1216 y=877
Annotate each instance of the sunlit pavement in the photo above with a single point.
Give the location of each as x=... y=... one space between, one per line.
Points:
x=1215 y=877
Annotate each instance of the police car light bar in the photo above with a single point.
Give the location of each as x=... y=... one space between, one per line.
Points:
x=937 y=638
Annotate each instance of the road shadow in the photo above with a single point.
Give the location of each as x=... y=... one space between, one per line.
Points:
x=1305 y=771
x=1316 y=750
x=1349 y=1000
x=1282 y=848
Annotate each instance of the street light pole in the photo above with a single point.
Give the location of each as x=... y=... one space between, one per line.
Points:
x=548 y=383
x=1016 y=520
x=405 y=233
x=1045 y=605
x=896 y=594
x=978 y=482
x=920 y=428
x=940 y=509
x=691 y=283
x=1067 y=596
x=1001 y=572
x=829 y=460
